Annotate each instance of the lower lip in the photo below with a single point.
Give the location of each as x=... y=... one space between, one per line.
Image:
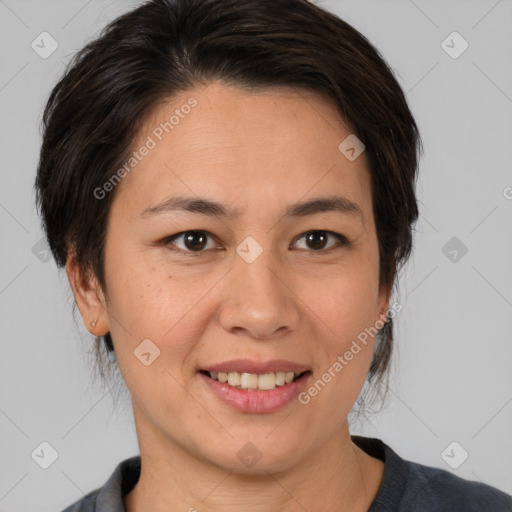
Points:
x=256 y=401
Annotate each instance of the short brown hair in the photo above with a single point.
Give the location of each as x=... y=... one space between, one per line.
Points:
x=167 y=46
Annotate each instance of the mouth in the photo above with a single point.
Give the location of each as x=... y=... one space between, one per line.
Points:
x=255 y=381
x=255 y=387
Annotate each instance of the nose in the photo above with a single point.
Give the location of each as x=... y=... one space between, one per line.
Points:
x=259 y=301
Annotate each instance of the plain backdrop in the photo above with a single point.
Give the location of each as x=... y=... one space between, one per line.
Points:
x=451 y=390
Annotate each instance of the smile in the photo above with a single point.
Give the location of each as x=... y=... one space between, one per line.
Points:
x=262 y=382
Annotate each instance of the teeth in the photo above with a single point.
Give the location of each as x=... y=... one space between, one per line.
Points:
x=280 y=379
x=265 y=381
x=288 y=377
x=234 y=379
x=249 y=381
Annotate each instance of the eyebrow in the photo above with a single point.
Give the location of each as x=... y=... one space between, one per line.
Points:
x=208 y=207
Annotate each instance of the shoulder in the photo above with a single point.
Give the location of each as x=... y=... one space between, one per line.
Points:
x=408 y=485
x=85 y=504
x=442 y=490
x=109 y=497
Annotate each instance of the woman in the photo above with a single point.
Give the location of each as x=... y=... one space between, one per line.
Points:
x=229 y=185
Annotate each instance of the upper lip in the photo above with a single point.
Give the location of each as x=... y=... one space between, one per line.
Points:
x=248 y=366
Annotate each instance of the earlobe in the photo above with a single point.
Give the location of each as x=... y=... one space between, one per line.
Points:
x=384 y=299
x=89 y=297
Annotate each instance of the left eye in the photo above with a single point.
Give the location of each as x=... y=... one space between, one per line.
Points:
x=317 y=240
x=197 y=241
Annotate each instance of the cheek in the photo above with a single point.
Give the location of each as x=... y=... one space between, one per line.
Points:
x=149 y=300
x=345 y=297
x=345 y=304
x=140 y=302
x=347 y=314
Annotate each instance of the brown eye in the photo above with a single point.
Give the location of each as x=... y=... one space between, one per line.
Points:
x=195 y=241
x=192 y=241
x=317 y=240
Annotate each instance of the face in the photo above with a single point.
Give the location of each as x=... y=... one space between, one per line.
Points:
x=265 y=287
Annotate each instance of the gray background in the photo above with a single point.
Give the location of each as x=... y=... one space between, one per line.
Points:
x=453 y=358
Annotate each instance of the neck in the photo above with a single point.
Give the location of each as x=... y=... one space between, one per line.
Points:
x=344 y=476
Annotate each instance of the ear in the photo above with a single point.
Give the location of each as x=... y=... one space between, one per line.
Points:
x=383 y=303
x=89 y=297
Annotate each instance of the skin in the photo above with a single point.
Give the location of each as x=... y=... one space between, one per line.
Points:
x=257 y=152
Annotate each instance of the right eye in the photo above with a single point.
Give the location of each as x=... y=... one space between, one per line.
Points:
x=194 y=241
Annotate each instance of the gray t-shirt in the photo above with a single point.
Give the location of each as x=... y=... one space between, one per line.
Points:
x=406 y=487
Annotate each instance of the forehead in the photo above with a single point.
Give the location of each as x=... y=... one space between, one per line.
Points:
x=245 y=148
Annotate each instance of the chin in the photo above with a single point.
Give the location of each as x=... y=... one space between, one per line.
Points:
x=256 y=455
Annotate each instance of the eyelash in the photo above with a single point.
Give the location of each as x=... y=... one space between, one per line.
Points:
x=168 y=241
